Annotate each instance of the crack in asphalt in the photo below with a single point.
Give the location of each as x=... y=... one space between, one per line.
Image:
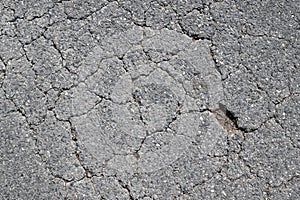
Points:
x=230 y=114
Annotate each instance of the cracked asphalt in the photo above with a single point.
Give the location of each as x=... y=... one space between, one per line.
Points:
x=153 y=99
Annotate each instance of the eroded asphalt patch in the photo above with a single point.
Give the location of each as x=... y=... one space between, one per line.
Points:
x=149 y=100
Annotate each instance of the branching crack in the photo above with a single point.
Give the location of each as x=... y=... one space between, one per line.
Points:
x=126 y=187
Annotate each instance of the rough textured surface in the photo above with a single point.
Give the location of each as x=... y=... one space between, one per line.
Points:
x=191 y=99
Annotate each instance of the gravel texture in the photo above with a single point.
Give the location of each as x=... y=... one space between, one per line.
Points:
x=160 y=99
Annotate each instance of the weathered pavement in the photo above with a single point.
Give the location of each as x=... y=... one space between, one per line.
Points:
x=160 y=99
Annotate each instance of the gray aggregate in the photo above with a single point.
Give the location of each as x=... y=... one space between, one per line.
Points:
x=114 y=99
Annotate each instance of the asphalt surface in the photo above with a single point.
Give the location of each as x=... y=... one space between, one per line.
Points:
x=160 y=99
